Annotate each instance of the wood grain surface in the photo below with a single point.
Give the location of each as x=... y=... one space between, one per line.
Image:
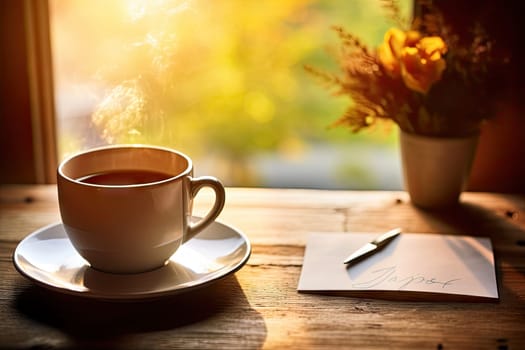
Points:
x=259 y=306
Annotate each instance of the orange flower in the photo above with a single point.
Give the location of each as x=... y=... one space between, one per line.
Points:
x=407 y=79
x=417 y=59
x=390 y=51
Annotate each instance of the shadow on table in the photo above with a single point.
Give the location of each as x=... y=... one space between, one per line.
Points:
x=502 y=227
x=91 y=323
x=471 y=219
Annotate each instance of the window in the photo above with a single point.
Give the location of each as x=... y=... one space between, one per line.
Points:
x=221 y=81
x=27 y=118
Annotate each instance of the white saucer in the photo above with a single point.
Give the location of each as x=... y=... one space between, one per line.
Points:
x=47 y=257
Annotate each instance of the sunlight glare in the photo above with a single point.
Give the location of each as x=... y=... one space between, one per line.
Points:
x=138 y=9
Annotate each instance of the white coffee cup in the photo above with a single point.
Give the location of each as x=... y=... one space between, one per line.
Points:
x=128 y=208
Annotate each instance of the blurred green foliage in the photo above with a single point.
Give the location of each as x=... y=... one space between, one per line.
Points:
x=218 y=78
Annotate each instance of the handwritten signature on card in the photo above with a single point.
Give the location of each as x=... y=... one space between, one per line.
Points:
x=390 y=275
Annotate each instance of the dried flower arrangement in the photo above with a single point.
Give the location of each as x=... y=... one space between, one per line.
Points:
x=424 y=76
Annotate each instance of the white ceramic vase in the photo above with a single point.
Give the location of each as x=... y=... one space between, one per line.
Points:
x=436 y=169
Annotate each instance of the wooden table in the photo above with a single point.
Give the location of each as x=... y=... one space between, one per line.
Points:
x=259 y=306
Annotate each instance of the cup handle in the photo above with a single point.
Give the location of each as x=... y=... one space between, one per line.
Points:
x=220 y=196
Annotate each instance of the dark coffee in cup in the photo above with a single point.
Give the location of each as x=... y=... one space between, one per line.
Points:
x=124 y=177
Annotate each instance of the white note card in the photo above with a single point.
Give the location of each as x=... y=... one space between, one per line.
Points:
x=412 y=262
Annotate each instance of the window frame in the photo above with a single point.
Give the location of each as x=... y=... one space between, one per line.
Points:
x=27 y=120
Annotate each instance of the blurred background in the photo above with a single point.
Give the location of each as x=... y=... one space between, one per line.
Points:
x=222 y=81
